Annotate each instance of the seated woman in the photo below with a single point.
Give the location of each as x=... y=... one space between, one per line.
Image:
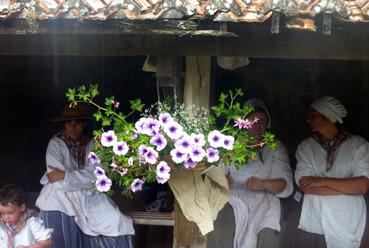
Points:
x=332 y=170
x=80 y=216
x=255 y=189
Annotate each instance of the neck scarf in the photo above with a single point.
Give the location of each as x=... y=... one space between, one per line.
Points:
x=77 y=148
x=331 y=145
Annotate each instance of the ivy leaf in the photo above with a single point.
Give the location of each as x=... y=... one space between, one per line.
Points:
x=223 y=97
x=137 y=105
x=218 y=110
x=71 y=94
x=96 y=133
x=239 y=92
x=84 y=97
x=109 y=112
x=109 y=101
x=97 y=115
x=211 y=120
x=240 y=161
x=150 y=176
x=82 y=89
x=105 y=121
x=93 y=91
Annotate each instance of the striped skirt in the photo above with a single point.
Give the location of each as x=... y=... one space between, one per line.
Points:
x=68 y=235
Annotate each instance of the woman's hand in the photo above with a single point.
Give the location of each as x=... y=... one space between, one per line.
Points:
x=310 y=182
x=254 y=184
x=55 y=175
x=273 y=186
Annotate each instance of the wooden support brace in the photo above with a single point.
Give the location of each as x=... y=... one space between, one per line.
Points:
x=327 y=24
x=275 y=22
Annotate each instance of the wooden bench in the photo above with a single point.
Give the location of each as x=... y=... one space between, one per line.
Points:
x=185 y=233
x=152 y=218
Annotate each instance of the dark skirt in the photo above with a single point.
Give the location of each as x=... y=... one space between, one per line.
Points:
x=295 y=237
x=68 y=234
x=224 y=230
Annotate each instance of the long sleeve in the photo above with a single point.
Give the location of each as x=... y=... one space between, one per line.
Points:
x=304 y=165
x=58 y=156
x=281 y=169
x=361 y=159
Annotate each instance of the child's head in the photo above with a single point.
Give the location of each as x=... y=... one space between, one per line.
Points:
x=12 y=204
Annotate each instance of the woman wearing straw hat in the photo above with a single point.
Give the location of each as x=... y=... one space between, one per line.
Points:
x=333 y=171
x=80 y=217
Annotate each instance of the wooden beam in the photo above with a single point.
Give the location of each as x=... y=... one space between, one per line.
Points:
x=347 y=43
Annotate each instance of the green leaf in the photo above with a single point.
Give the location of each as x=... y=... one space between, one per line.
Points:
x=211 y=120
x=109 y=112
x=223 y=97
x=239 y=92
x=218 y=110
x=105 y=121
x=84 y=97
x=137 y=105
x=97 y=115
x=94 y=91
x=82 y=89
x=71 y=94
x=109 y=101
x=96 y=133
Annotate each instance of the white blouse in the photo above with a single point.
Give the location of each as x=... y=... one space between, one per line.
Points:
x=95 y=213
x=33 y=231
x=3 y=237
x=341 y=218
x=255 y=210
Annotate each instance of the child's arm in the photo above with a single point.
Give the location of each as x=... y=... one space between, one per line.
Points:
x=40 y=233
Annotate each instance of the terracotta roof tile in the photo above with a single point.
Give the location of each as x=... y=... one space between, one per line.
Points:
x=216 y=10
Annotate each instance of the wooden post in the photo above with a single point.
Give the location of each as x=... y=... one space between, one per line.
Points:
x=197 y=81
x=186 y=234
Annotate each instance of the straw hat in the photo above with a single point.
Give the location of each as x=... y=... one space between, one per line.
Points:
x=74 y=112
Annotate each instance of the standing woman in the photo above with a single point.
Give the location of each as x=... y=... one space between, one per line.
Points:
x=81 y=217
x=333 y=172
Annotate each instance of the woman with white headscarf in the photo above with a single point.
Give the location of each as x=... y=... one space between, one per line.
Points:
x=255 y=191
x=333 y=172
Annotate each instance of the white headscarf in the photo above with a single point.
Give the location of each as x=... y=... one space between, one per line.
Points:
x=331 y=108
x=257 y=103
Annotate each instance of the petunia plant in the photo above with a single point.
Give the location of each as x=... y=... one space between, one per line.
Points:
x=166 y=137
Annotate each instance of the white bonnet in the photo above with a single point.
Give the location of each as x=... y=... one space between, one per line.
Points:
x=257 y=103
x=330 y=107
